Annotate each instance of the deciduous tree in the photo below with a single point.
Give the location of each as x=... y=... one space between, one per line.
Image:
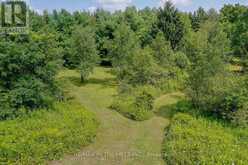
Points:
x=84 y=50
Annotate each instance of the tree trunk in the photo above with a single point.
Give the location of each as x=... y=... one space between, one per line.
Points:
x=82 y=79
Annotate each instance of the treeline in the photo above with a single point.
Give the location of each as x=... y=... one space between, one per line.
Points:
x=161 y=48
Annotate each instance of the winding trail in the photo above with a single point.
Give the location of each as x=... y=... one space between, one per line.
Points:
x=119 y=141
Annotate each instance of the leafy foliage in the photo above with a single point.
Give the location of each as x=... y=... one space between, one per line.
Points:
x=122 y=47
x=162 y=51
x=84 y=50
x=234 y=20
x=233 y=107
x=207 y=76
x=141 y=69
x=27 y=73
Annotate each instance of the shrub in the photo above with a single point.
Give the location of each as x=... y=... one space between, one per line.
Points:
x=191 y=140
x=46 y=134
x=234 y=108
x=142 y=107
x=137 y=106
x=183 y=107
x=144 y=101
x=140 y=114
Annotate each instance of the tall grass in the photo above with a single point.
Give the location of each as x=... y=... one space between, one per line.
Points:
x=46 y=134
x=190 y=140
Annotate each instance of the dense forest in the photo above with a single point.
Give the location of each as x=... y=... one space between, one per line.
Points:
x=149 y=54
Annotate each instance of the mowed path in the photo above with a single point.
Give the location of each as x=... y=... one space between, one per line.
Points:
x=119 y=141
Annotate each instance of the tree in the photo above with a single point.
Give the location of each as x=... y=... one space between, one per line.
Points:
x=27 y=73
x=235 y=22
x=36 y=21
x=239 y=37
x=207 y=76
x=132 y=18
x=213 y=15
x=85 y=55
x=122 y=47
x=46 y=19
x=170 y=24
x=144 y=32
x=198 y=18
x=105 y=28
x=162 y=51
x=141 y=68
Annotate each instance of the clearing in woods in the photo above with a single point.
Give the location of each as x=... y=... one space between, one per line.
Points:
x=119 y=141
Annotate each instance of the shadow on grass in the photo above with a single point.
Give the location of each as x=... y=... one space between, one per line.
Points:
x=186 y=107
x=110 y=82
x=182 y=106
x=167 y=111
x=105 y=82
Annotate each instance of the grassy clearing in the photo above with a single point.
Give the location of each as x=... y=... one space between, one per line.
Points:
x=119 y=139
x=46 y=134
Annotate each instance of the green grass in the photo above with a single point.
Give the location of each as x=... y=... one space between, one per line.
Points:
x=46 y=134
x=118 y=136
x=192 y=140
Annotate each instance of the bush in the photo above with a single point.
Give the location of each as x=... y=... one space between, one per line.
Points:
x=184 y=107
x=192 y=140
x=46 y=134
x=138 y=106
x=143 y=106
x=234 y=108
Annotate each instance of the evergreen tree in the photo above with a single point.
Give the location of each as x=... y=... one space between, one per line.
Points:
x=198 y=18
x=170 y=24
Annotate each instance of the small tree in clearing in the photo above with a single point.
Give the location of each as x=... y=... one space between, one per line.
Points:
x=84 y=51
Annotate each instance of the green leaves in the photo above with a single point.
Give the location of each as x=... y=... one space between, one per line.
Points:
x=123 y=46
x=27 y=72
x=206 y=52
x=84 y=56
x=235 y=24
